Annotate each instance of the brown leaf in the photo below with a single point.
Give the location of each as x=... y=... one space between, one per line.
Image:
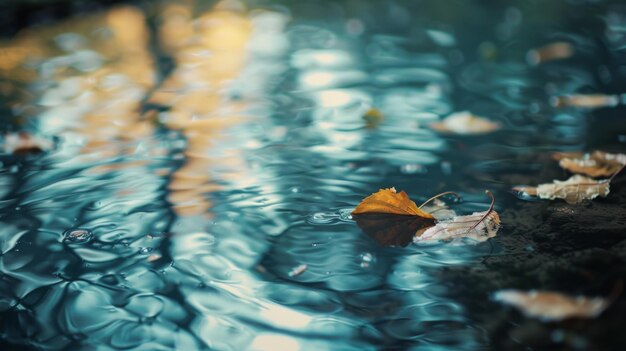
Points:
x=391 y=229
x=388 y=201
x=596 y=164
x=391 y=218
x=552 y=306
x=574 y=190
x=478 y=226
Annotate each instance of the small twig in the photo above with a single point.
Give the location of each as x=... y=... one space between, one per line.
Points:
x=440 y=195
x=493 y=201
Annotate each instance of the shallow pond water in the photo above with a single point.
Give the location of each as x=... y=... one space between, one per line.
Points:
x=206 y=160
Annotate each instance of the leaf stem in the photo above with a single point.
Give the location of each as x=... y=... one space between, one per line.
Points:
x=440 y=195
x=493 y=201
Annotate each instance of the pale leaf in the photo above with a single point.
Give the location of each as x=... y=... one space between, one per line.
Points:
x=478 y=226
x=552 y=306
x=596 y=164
x=465 y=123
x=391 y=218
x=574 y=190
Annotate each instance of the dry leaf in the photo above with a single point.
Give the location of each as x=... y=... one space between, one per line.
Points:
x=22 y=144
x=586 y=101
x=574 y=190
x=478 y=226
x=391 y=218
x=465 y=123
x=552 y=306
x=389 y=201
x=596 y=164
x=554 y=51
x=373 y=117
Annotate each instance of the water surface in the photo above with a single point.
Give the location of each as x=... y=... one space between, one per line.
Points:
x=206 y=159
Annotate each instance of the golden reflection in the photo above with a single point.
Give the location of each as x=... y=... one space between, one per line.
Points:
x=120 y=85
x=209 y=52
x=84 y=81
x=93 y=75
x=11 y=57
x=95 y=71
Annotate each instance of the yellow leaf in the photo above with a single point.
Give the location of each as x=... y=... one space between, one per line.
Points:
x=388 y=201
x=373 y=117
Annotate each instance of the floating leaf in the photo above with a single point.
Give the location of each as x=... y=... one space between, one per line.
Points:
x=553 y=51
x=596 y=164
x=373 y=117
x=574 y=190
x=478 y=226
x=391 y=218
x=465 y=123
x=552 y=306
x=586 y=101
x=389 y=201
x=23 y=143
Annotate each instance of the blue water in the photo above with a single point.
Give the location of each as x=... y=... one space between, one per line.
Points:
x=207 y=205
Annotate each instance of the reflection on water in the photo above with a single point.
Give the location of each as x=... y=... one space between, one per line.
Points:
x=207 y=207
